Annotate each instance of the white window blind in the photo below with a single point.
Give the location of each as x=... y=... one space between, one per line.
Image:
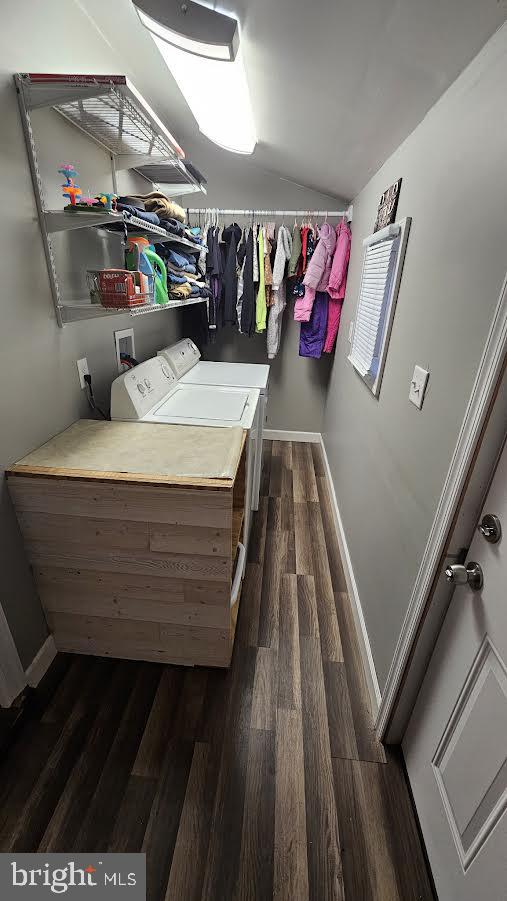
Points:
x=379 y=283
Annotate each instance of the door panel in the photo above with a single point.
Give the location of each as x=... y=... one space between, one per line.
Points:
x=480 y=712
x=456 y=743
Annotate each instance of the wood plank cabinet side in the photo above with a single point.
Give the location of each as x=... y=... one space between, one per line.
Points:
x=152 y=563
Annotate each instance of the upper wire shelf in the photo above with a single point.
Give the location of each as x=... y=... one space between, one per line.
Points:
x=107 y=107
x=110 y=111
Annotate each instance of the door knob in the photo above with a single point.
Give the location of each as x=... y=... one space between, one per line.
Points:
x=490 y=528
x=471 y=574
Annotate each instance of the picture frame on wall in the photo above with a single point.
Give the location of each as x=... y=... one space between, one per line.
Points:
x=386 y=213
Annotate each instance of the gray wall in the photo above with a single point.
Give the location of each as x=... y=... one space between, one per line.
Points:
x=39 y=388
x=297 y=385
x=389 y=460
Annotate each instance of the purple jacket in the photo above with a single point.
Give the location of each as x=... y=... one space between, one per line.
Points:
x=318 y=272
x=312 y=334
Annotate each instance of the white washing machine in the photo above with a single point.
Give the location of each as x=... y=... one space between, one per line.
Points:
x=184 y=360
x=152 y=393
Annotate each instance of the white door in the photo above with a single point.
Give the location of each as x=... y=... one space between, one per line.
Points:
x=456 y=743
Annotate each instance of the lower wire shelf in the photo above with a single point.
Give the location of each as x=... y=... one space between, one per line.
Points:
x=74 y=312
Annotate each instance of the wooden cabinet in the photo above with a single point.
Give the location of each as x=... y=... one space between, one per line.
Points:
x=140 y=568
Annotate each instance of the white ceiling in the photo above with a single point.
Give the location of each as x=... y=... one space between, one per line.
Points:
x=336 y=85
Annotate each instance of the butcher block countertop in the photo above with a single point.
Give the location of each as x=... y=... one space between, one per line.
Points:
x=138 y=452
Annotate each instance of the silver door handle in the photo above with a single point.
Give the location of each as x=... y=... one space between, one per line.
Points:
x=471 y=574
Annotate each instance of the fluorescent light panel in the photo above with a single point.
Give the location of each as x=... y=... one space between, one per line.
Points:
x=217 y=94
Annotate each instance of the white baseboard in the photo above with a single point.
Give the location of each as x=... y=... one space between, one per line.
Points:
x=357 y=610
x=280 y=435
x=41 y=662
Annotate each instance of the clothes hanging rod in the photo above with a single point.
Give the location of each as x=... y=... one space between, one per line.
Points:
x=256 y=212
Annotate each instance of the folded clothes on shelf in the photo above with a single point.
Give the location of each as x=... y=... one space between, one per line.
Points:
x=174 y=279
x=180 y=292
x=178 y=260
x=141 y=214
x=173 y=226
x=132 y=201
x=176 y=270
x=194 y=236
x=158 y=203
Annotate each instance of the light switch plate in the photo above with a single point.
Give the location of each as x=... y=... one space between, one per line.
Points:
x=418 y=386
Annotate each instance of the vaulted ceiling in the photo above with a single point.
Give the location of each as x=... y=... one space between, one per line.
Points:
x=336 y=85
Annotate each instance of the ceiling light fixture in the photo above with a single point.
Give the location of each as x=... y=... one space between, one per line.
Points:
x=201 y=48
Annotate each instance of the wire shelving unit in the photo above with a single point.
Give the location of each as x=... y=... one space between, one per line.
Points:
x=110 y=111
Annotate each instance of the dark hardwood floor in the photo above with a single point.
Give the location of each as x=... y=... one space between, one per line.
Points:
x=264 y=781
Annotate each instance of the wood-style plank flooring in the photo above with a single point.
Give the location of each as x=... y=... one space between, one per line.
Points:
x=264 y=781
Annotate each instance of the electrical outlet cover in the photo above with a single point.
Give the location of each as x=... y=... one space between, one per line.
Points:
x=418 y=386
x=124 y=343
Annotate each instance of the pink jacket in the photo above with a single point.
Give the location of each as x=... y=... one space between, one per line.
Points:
x=318 y=273
x=337 y=284
x=338 y=275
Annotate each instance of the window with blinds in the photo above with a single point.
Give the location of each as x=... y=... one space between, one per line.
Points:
x=382 y=264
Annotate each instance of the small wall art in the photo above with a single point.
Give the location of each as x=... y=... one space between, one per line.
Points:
x=386 y=213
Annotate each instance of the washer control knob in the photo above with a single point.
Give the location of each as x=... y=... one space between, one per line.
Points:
x=141 y=388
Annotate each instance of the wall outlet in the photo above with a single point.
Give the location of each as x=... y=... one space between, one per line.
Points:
x=82 y=368
x=418 y=386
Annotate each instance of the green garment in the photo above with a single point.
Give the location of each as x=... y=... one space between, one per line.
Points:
x=260 y=304
x=297 y=248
